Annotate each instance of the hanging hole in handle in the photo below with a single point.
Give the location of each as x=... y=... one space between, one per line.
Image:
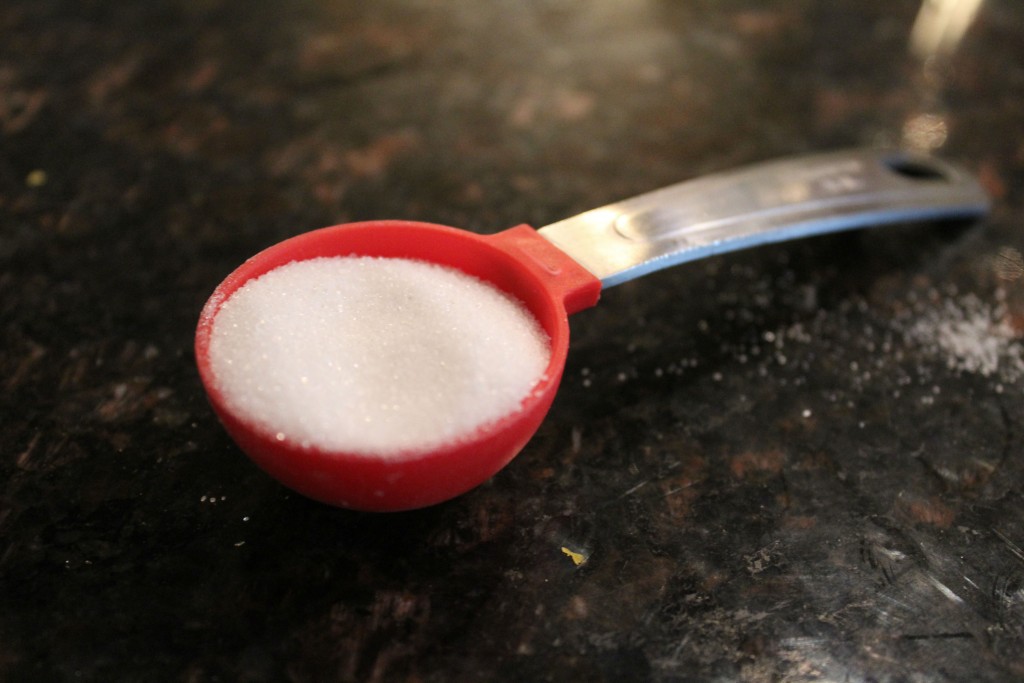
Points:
x=915 y=169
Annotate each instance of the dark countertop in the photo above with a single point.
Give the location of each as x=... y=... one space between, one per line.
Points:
x=801 y=462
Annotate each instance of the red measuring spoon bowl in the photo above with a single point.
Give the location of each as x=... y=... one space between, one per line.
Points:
x=517 y=261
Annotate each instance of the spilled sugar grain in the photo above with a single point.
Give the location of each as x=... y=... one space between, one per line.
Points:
x=898 y=354
x=970 y=336
x=374 y=355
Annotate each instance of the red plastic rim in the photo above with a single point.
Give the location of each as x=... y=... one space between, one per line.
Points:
x=517 y=261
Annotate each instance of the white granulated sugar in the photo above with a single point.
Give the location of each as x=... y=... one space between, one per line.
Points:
x=374 y=355
x=972 y=336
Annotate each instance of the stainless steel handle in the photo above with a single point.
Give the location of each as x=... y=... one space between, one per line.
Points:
x=769 y=202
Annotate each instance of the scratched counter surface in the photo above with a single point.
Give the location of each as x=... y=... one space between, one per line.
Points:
x=800 y=462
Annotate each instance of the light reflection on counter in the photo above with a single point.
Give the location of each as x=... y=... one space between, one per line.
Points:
x=941 y=25
x=938 y=30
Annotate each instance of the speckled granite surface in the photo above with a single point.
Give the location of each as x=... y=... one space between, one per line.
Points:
x=802 y=462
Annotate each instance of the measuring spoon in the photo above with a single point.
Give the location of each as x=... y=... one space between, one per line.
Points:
x=561 y=269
